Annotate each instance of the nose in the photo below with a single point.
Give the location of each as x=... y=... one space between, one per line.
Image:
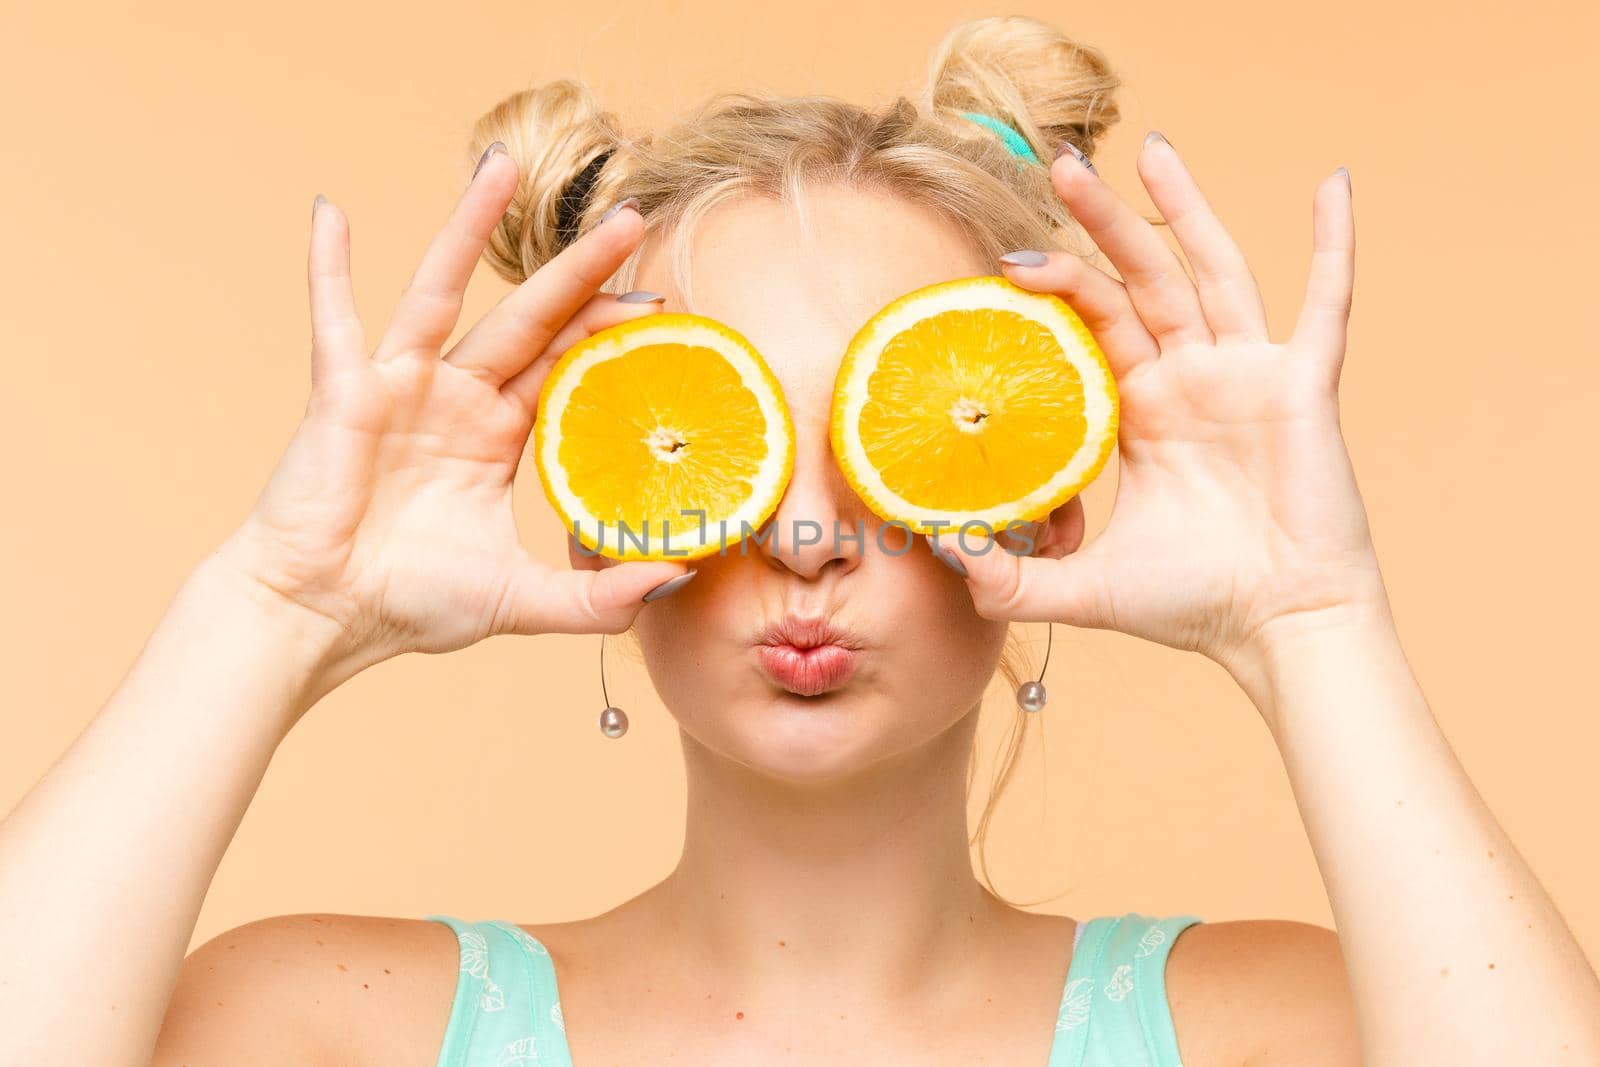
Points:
x=820 y=526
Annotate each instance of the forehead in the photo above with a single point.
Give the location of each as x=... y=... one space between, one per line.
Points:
x=800 y=296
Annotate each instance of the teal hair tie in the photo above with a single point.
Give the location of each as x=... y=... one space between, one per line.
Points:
x=1007 y=133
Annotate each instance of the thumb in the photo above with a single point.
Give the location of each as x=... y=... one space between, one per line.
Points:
x=541 y=599
x=1011 y=585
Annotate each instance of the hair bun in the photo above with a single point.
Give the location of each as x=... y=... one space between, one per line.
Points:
x=575 y=196
x=1028 y=73
x=563 y=143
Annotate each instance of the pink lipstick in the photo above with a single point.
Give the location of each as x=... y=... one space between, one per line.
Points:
x=807 y=657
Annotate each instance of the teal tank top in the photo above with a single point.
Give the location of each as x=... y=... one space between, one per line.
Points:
x=1113 y=1012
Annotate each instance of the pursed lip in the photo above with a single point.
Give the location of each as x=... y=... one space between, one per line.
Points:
x=808 y=656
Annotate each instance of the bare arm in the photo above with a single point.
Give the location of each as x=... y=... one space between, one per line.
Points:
x=387 y=527
x=1239 y=532
x=105 y=863
x=1454 y=951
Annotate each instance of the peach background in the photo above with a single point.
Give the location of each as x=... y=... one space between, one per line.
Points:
x=157 y=185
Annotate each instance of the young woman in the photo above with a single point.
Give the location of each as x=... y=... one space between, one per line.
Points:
x=825 y=908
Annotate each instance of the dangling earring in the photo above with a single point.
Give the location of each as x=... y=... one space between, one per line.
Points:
x=613 y=721
x=1030 y=695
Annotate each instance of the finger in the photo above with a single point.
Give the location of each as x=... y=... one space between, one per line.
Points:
x=1160 y=288
x=1229 y=295
x=523 y=323
x=431 y=301
x=541 y=599
x=1324 y=318
x=1006 y=585
x=337 y=343
x=601 y=311
x=1101 y=302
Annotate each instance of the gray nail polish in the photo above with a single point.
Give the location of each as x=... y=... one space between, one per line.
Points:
x=498 y=146
x=640 y=296
x=632 y=201
x=1025 y=258
x=670 y=586
x=1345 y=174
x=1068 y=148
x=949 y=559
x=1153 y=136
x=317 y=203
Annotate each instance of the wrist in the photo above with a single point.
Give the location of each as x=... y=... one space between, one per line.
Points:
x=1305 y=647
x=315 y=650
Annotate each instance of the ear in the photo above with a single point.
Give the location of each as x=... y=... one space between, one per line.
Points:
x=1059 y=534
x=583 y=559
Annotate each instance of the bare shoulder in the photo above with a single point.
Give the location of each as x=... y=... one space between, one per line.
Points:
x=1260 y=993
x=314 y=989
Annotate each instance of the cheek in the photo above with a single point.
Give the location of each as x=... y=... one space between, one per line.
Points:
x=694 y=643
x=942 y=647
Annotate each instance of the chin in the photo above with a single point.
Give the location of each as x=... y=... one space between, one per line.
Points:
x=801 y=740
x=816 y=739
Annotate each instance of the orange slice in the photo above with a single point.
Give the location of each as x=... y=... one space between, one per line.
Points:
x=973 y=400
x=665 y=437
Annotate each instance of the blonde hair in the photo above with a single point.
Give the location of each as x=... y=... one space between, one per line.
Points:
x=1019 y=70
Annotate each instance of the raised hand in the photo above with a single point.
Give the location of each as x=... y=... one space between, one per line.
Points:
x=1237 y=509
x=390 y=511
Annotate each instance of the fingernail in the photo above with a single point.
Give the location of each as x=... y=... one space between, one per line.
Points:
x=670 y=586
x=498 y=146
x=1068 y=148
x=640 y=296
x=317 y=203
x=1155 y=135
x=1025 y=258
x=948 y=558
x=632 y=201
x=1341 y=172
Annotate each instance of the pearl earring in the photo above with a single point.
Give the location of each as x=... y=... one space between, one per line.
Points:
x=1031 y=695
x=613 y=721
